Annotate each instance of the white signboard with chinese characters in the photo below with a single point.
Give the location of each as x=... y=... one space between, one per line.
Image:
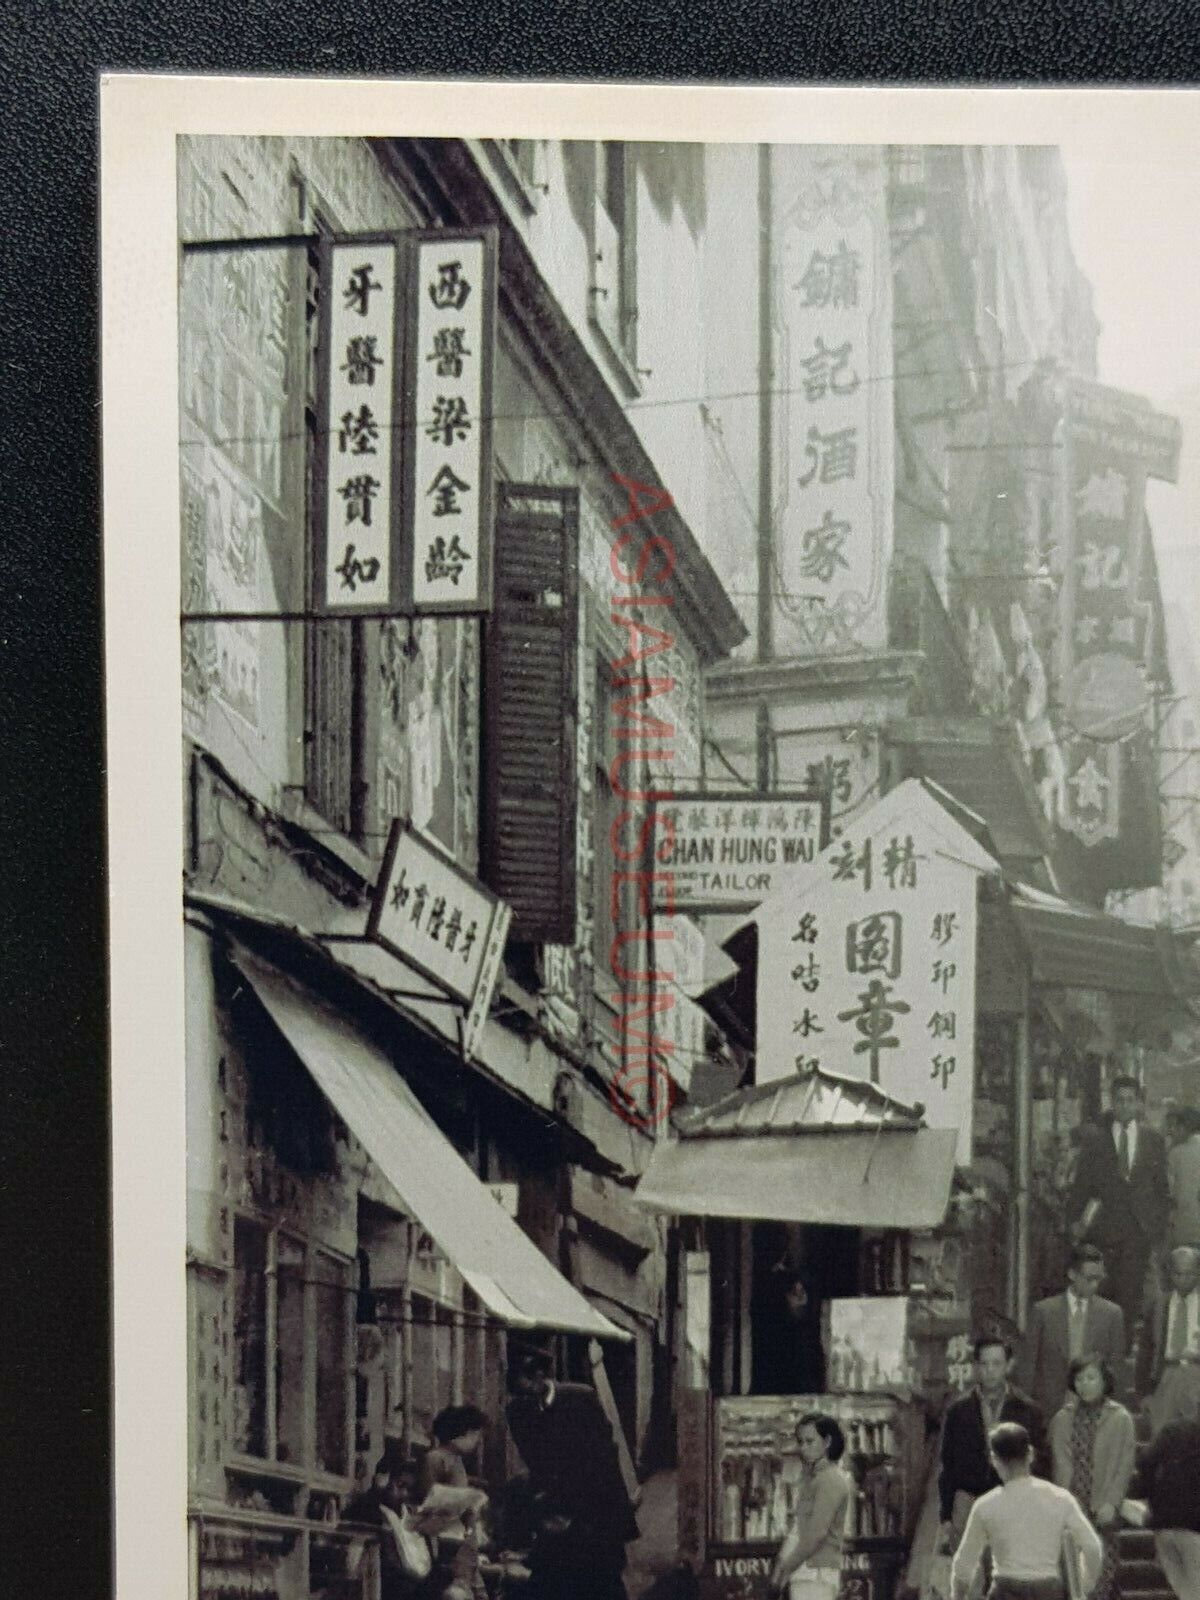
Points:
x=442 y=922
x=833 y=312
x=867 y=960
x=356 y=510
x=723 y=850
x=448 y=420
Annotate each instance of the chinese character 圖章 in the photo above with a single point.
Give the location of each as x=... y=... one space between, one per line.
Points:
x=354 y=570
x=449 y=348
x=821 y=549
x=1102 y=566
x=358 y=494
x=874 y=1017
x=824 y=369
x=847 y=865
x=361 y=359
x=420 y=895
x=942 y=973
x=437 y=915
x=831 y=280
x=806 y=929
x=945 y=925
x=359 y=287
x=445 y=489
x=943 y=1068
x=807 y=973
x=875 y=944
x=942 y=1024
x=449 y=290
x=900 y=863
x=1104 y=496
x=833 y=455
x=450 y=419
x=831 y=776
x=468 y=940
x=807 y=1024
x=400 y=890
x=445 y=560
x=453 y=929
x=358 y=432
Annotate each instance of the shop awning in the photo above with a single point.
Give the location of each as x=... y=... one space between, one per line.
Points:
x=1077 y=947
x=501 y=1264
x=812 y=1147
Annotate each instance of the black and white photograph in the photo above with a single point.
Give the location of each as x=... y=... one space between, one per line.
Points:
x=664 y=628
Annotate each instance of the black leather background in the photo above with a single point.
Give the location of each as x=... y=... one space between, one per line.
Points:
x=53 y=1317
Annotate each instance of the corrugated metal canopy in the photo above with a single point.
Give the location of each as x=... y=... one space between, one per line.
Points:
x=1076 y=947
x=813 y=1101
x=435 y=1185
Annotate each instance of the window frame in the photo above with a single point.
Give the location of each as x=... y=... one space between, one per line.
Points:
x=617 y=326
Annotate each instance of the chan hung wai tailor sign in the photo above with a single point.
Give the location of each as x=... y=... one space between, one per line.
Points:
x=402 y=508
x=723 y=851
x=866 y=962
x=441 y=922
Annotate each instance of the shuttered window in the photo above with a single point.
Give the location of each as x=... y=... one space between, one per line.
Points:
x=531 y=639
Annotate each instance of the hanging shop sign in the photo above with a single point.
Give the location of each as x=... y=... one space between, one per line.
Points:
x=867 y=960
x=833 y=311
x=441 y=922
x=448 y=420
x=356 y=506
x=1112 y=443
x=723 y=851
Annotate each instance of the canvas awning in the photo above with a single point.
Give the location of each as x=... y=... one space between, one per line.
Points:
x=1077 y=947
x=500 y=1263
x=813 y=1147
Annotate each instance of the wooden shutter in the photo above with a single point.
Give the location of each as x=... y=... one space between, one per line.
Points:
x=531 y=639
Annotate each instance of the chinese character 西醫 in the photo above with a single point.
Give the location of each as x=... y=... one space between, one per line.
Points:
x=450 y=419
x=943 y=1068
x=823 y=371
x=822 y=547
x=446 y=488
x=449 y=348
x=361 y=359
x=874 y=1017
x=831 y=280
x=445 y=560
x=354 y=570
x=875 y=944
x=942 y=1024
x=359 y=287
x=846 y=865
x=806 y=930
x=942 y=973
x=358 y=432
x=450 y=289
x=358 y=494
x=944 y=927
x=833 y=455
x=807 y=1024
x=900 y=863
x=807 y=973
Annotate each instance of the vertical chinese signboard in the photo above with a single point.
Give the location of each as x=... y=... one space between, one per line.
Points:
x=834 y=443
x=867 y=960
x=356 y=506
x=402 y=510
x=448 y=420
x=1112 y=443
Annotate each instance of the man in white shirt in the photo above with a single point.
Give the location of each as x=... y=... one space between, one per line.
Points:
x=1170 y=1363
x=1025 y=1523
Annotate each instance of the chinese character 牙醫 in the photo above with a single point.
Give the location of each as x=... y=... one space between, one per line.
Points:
x=361 y=359
x=358 y=289
x=874 y=1017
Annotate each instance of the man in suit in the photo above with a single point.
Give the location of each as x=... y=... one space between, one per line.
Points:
x=1183 y=1171
x=966 y=1467
x=1120 y=1199
x=586 y=1515
x=1169 y=1353
x=1075 y=1323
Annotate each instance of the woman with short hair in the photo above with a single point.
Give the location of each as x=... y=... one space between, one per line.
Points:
x=1093 y=1446
x=809 y=1562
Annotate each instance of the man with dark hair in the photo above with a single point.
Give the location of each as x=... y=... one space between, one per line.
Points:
x=1025 y=1523
x=1170 y=1473
x=1120 y=1199
x=966 y=1468
x=586 y=1515
x=1068 y=1325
